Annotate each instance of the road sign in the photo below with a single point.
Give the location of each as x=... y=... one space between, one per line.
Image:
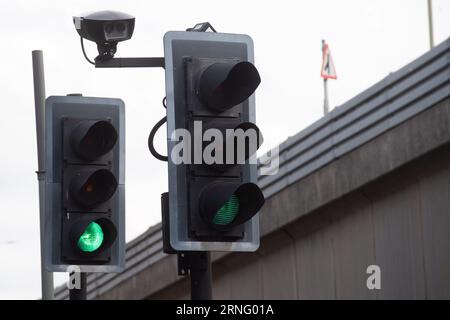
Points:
x=328 y=70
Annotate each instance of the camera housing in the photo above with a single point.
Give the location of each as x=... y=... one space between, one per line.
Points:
x=105 y=28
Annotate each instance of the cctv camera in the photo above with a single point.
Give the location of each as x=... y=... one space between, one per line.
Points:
x=106 y=29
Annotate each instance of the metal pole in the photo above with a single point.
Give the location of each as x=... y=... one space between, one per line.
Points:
x=430 y=23
x=325 y=87
x=39 y=102
x=79 y=294
x=325 y=99
x=200 y=273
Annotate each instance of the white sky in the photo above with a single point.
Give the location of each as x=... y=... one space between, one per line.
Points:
x=367 y=39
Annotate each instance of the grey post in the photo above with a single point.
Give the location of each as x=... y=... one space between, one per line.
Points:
x=326 y=107
x=430 y=23
x=325 y=97
x=39 y=102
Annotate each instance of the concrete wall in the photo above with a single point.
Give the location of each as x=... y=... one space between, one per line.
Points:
x=400 y=222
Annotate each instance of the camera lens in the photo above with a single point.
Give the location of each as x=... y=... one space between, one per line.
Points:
x=120 y=27
x=109 y=28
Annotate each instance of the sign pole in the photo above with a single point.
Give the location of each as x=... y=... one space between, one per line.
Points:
x=325 y=85
x=39 y=102
x=325 y=98
x=328 y=71
x=430 y=23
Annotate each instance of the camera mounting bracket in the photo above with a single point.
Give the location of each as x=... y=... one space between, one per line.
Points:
x=155 y=62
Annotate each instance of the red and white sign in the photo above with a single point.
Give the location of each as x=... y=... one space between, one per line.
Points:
x=328 y=71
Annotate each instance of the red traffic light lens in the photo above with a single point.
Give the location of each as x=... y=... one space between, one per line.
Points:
x=91 y=139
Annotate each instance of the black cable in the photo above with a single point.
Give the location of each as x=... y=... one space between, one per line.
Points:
x=151 y=147
x=155 y=128
x=84 y=52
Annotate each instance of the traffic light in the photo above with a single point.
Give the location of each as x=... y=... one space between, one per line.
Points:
x=212 y=142
x=85 y=203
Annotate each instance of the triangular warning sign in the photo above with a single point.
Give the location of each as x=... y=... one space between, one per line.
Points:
x=328 y=71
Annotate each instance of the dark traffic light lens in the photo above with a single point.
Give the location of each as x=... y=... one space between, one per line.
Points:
x=92 y=139
x=91 y=188
x=226 y=214
x=92 y=238
x=224 y=85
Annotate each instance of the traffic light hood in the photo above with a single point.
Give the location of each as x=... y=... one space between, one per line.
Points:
x=223 y=85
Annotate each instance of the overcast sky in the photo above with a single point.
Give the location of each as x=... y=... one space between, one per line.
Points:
x=368 y=39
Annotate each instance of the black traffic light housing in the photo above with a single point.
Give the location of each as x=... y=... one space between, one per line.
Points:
x=85 y=205
x=210 y=81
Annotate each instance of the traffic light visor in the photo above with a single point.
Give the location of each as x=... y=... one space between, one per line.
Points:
x=225 y=84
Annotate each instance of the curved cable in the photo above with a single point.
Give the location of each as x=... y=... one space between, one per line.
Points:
x=151 y=136
x=84 y=52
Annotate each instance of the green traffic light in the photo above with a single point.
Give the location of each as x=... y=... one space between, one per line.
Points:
x=226 y=214
x=91 y=239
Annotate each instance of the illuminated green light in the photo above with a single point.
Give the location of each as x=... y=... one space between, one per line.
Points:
x=91 y=239
x=226 y=214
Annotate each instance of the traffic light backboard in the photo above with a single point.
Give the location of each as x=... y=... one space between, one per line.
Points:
x=212 y=141
x=85 y=176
